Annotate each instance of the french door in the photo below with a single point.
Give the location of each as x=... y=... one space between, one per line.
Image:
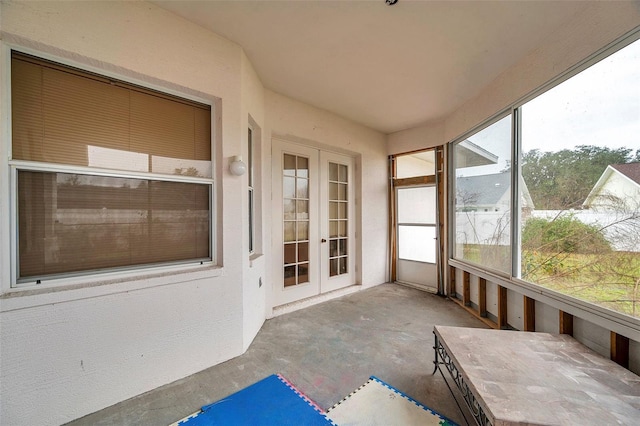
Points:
x=313 y=221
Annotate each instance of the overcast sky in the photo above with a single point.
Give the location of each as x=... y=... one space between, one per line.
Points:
x=600 y=106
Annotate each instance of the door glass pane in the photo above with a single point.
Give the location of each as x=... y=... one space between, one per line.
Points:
x=333 y=210
x=343 y=173
x=303 y=273
x=333 y=267
x=303 y=231
x=417 y=205
x=342 y=192
x=302 y=212
x=338 y=222
x=417 y=243
x=289 y=276
x=333 y=191
x=289 y=168
x=333 y=172
x=303 y=252
x=343 y=211
x=333 y=248
x=288 y=187
x=303 y=167
x=289 y=209
x=302 y=188
x=295 y=189
x=289 y=231
x=290 y=253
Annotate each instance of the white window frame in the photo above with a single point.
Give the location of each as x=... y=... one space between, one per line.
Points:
x=9 y=168
x=251 y=190
x=603 y=317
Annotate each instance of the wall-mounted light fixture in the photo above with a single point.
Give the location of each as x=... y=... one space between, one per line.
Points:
x=237 y=166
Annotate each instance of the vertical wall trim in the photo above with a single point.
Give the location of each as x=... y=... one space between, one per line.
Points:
x=392 y=220
x=482 y=297
x=452 y=281
x=466 y=288
x=565 y=323
x=529 y=308
x=619 y=349
x=502 y=307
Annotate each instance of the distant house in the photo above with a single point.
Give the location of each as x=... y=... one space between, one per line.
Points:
x=618 y=188
x=488 y=193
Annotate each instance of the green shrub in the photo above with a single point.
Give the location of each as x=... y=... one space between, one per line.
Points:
x=564 y=234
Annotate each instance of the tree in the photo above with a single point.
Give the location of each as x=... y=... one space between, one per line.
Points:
x=563 y=179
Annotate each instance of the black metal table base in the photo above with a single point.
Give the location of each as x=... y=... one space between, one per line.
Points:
x=443 y=358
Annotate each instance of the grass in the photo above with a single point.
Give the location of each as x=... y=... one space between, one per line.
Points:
x=610 y=279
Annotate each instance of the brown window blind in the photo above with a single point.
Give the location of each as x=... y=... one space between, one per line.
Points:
x=72 y=222
x=68 y=116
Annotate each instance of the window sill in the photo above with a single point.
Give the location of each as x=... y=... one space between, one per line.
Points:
x=256 y=260
x=622 y=324
x=77 y=288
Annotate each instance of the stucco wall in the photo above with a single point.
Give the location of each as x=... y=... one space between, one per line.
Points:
x=69 y=353
x=593 y=29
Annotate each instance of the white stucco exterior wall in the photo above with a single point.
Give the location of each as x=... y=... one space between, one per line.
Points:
x=254 y=295
x=426 y=136
x=72 y=352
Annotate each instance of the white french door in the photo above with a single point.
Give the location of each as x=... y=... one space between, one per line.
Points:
x=313 y=221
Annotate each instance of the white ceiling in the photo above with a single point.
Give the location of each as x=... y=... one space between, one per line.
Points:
x=387 y=67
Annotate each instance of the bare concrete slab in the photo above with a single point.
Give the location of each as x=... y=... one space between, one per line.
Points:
x=326 y=351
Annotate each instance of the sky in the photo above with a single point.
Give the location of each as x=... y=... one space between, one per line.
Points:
x=599 y=106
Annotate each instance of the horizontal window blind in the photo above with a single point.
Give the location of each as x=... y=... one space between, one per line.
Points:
x=76 y=221
x=72 y=222
x=67 y=116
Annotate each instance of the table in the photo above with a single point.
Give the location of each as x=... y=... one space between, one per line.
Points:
x=524 y=378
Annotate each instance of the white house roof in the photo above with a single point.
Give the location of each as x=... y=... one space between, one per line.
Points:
x=630 y=171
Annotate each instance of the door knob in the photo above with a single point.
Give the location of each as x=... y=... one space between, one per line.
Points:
x=323 y=240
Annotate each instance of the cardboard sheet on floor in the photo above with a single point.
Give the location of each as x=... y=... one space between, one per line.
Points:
x=377 y=403
x=271 y=401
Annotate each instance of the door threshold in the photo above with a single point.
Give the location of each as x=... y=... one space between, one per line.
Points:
x=419 y=287
x=314 y=300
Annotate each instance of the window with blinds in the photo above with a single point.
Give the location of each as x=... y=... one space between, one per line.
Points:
x=108 y=174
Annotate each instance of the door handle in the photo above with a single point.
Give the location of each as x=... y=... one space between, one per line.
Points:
x=323 y=240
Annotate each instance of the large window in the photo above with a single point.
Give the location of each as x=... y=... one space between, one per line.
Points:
x=577 y=206
x=107 y=174
x=482 y=191
x=581 y=163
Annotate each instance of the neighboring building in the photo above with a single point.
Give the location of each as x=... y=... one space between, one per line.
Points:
x=617 y=189
x=488 y=193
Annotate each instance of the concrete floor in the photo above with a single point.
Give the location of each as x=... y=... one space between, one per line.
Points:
x=326 y=351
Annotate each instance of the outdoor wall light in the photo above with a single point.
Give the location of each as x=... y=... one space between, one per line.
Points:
x=237 y=166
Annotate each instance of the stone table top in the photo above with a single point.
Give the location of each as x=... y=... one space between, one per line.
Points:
x=527 y=378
